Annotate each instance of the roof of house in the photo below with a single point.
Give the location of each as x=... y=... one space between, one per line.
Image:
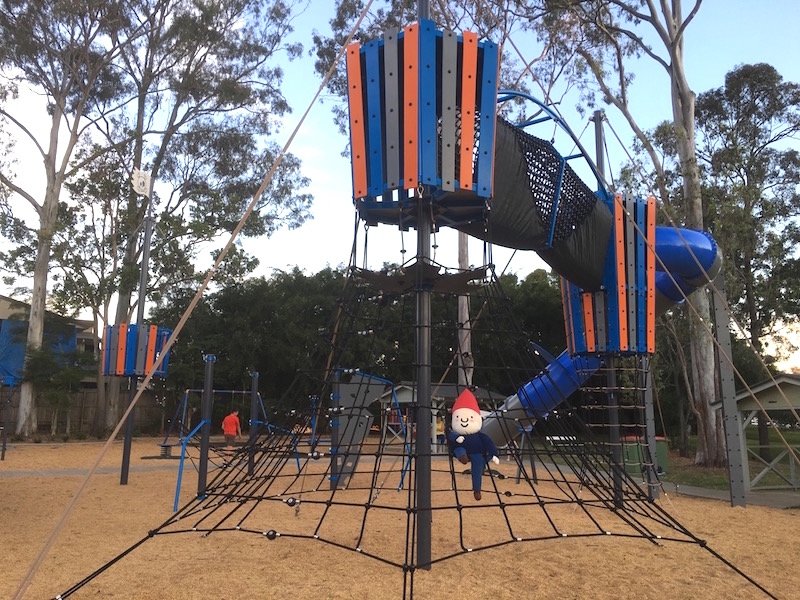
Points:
x=772 y=394
x=11 y=308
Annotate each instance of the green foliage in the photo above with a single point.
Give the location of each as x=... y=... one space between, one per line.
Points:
x=283 y=324
x=272 y=326
x=536 y=302
x=753 y=193
x=54 y=374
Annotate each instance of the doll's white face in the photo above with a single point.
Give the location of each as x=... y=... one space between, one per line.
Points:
x=466 y=421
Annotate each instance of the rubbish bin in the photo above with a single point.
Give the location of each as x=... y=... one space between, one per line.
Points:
x=634 y=454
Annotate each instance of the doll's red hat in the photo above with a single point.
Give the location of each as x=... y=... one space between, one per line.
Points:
x=466 y=399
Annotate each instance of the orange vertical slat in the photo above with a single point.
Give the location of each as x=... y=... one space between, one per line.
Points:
x=122 y=340
x=651 y=274
x=358 y=143
x=619 y=236
x=588 y=320
x=469 y=79
x=410 y=106
x=152 y=335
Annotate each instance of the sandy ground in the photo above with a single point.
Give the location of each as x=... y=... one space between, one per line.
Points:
x=762 y=542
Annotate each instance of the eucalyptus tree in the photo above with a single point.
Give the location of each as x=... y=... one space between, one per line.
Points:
x=63 y=52
x=748 y=144
x=202 y=112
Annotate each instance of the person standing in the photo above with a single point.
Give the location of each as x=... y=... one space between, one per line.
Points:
x=231 y=428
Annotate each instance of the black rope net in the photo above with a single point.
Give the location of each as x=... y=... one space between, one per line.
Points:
x=335 y=461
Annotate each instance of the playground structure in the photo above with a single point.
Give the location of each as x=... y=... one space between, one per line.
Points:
x=446 y=159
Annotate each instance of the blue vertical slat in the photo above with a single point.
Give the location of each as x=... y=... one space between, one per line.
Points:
x=488 y=112
x=130 y=349
x=161 y=338
x=428 y=93
x=641 y=276
x=374 y=117
x=107 y=366
x=610 y=286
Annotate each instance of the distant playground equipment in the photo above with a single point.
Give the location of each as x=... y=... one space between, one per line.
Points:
x=131 y=350
x=134 y=351
x=187 y=413
x=429 y=151
x=186 y=431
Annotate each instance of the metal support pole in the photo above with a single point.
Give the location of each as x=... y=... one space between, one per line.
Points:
x=336 y=461
x=735 y=440
x=651 y=458
x=613 y=398
x=128 y=440
x=423 y=421
x=255 y=423
x=205 y=416
x=422 y=442
x=599 y=144
x=143 y=272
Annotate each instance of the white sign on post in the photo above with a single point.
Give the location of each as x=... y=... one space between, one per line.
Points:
x=141 y=182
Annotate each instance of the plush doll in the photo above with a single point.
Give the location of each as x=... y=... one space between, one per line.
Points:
x=468 y=443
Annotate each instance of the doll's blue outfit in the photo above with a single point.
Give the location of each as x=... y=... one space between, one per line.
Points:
x=480 y=449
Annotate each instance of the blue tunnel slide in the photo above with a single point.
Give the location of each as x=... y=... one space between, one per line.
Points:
x=540 y=204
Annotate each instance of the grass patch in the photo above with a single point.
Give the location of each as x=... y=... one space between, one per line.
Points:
x=683 y=471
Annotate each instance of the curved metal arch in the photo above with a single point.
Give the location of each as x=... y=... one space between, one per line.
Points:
x=505 y=95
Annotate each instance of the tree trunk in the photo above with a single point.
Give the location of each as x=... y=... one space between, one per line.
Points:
x=48 y=219
x=683 y=418
x=27 y=422
x=710 y=447
x=123 y=315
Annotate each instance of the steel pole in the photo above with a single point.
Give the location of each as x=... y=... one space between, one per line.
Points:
x=422 y=442
x=148 y=233
x=255 y=423
x=423 y=420
x=205 y=431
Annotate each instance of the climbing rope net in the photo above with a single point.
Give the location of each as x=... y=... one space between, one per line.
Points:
x=335 y=461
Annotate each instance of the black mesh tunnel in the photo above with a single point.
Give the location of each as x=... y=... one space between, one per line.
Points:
x=527 y=178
